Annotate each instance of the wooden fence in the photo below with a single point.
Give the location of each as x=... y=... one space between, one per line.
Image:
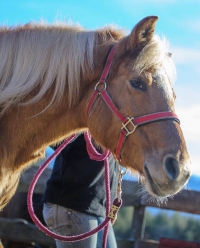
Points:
x=22 y=231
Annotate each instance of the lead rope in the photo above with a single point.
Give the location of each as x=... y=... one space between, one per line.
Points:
x=93 y=153
x=110 y=214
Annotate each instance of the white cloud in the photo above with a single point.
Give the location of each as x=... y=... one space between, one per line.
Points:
x=190 y=121
x=190 y=124
x=195 y=164
x=187 y=86
x=188 y=101
x=193 y=24
x=182 y=55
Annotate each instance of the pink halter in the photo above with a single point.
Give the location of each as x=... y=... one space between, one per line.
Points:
x=125 y=131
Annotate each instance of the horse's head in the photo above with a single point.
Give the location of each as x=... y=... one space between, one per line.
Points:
x=140 y=83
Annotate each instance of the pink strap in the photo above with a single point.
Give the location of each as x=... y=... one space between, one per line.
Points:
x=111 y=105
x=102 y=79
x=106 y=69
x=92 y=99
x=156 y=117
x=167 y=115
x=120 y=143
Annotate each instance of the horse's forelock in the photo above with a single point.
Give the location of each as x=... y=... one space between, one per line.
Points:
x=155 y=55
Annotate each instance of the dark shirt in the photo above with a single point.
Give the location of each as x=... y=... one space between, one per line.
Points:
x=77 y=182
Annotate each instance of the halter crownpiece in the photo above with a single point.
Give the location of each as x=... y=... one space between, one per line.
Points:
x=129 y=124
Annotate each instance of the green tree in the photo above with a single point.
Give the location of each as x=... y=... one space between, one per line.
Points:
x=122 y=226
x=176 y=225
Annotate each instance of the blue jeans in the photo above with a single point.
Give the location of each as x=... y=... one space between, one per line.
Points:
x=68 y=222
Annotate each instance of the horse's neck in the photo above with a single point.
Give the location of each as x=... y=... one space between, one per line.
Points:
x=27 y=130
x=24 y=139
x=26 y=135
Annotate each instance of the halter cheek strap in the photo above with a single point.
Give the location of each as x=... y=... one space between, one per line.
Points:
x=129 y=124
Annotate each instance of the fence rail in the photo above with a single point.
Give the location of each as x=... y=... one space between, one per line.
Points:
x=21 y=230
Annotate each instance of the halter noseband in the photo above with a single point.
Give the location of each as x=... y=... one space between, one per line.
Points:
x=100 y=89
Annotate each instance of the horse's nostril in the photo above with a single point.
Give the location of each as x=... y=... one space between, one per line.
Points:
x=171 y=168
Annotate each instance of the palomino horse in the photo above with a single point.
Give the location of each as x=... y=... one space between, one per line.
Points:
x=48 y=74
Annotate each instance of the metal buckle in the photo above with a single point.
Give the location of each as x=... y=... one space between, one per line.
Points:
x=99 y=83
x=122 y=172
x=113 y=212
x=124 y=126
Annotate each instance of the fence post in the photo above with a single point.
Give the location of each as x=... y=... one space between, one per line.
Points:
x=138 y=223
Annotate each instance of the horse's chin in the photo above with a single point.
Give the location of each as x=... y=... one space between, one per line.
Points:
x=158 y=190
x=151 y=186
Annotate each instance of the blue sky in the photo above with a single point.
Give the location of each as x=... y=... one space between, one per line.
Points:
x=179 y=21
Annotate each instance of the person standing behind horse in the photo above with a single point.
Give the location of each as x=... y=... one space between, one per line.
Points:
x=75 y=199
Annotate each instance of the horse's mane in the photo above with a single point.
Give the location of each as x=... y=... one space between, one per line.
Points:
x=40 y=54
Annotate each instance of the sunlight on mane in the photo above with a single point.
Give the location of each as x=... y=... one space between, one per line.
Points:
x=155 y=55
x=37 y=53
x=40 y=54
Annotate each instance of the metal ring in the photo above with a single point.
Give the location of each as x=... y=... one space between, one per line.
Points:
x=99 y=83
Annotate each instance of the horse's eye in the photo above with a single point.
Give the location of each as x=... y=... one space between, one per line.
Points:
x=138 y=85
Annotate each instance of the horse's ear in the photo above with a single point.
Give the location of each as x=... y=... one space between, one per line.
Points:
x=142 y=33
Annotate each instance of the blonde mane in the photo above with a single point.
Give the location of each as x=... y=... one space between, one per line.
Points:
x=40 y=54
x=37 y=55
